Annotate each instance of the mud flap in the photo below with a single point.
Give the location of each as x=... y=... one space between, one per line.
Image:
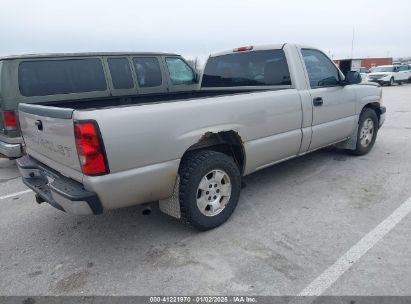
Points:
x=171 y=205
x=351 y=142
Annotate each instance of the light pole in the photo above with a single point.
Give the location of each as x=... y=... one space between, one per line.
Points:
x=352 y=43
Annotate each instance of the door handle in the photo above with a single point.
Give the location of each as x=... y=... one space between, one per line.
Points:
x=39 y=125
x=318 y=101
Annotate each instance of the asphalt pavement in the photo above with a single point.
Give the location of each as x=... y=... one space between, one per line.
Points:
x=318 y=221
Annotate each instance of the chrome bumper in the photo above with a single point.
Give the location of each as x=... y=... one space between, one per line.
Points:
x=10 y=150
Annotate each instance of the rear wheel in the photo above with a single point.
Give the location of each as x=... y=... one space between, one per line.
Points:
x=210 y=184
x=367 y=132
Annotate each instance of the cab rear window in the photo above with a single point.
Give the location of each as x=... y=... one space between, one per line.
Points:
x=257 y=68
x=52 y=77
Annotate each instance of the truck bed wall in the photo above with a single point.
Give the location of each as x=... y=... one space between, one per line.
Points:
x=99 y=103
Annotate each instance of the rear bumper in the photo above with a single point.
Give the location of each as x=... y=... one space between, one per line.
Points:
x=59 y=191
x=10 y=150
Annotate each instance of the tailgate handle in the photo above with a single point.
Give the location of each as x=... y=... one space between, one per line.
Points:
x=39 y=125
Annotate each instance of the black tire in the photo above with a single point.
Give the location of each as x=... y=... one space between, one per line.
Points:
x=194 y=167
x=400 y=82
x=360 y=149
x=391 y=83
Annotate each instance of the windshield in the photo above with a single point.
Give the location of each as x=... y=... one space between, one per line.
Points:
x=383 y=69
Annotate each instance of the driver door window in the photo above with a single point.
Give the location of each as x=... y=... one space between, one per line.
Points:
x=321 y=70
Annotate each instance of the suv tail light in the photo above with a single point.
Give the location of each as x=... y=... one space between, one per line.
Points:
x=90 y=148
x=10 y=120
x=243 y=49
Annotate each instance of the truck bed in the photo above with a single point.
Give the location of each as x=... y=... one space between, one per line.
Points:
x=107 y=102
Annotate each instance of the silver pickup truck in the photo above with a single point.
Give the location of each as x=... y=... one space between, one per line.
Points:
x=257 y=106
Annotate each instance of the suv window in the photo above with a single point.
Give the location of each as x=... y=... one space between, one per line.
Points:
x=120 y=73
x=51 y=77
x=148 y=71
x=180 y=72
x=256 y=68
x=321 y=70
x=403 y=68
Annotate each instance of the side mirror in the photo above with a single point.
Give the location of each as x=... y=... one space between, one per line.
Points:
x=353 y=77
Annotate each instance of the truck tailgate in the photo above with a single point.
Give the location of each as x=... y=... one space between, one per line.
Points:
x=48 y=133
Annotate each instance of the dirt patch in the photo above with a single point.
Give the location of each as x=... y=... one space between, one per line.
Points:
x=72 y=282
x=166 y=256
x=35 y=274
x=274 y=259
x=340 y=157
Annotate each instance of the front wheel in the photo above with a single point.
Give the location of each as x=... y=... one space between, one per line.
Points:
x=367 y=132
x=210 y=184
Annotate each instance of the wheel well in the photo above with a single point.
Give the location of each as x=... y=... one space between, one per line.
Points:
x=376 y=107
x=227 y=142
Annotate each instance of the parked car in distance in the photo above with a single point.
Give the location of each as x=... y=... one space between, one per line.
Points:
x=66 y=78
x=364 y=73
x=390 y=74
x=257 y=106
x=405 y=72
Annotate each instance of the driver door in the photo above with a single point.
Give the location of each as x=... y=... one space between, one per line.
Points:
x=333 y=104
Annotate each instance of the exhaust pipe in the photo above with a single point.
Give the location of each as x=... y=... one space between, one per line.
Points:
x=39 y=199
x=145 y=209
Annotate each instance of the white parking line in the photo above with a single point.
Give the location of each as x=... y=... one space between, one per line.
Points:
x=15 y=194
x=335 y=271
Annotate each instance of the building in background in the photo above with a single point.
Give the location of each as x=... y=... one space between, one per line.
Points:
x=355 y=64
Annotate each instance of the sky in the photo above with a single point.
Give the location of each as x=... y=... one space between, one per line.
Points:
x=197 y=28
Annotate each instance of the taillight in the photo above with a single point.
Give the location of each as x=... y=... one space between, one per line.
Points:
x=10 y=120
x=243 y=49
x=90 y=148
